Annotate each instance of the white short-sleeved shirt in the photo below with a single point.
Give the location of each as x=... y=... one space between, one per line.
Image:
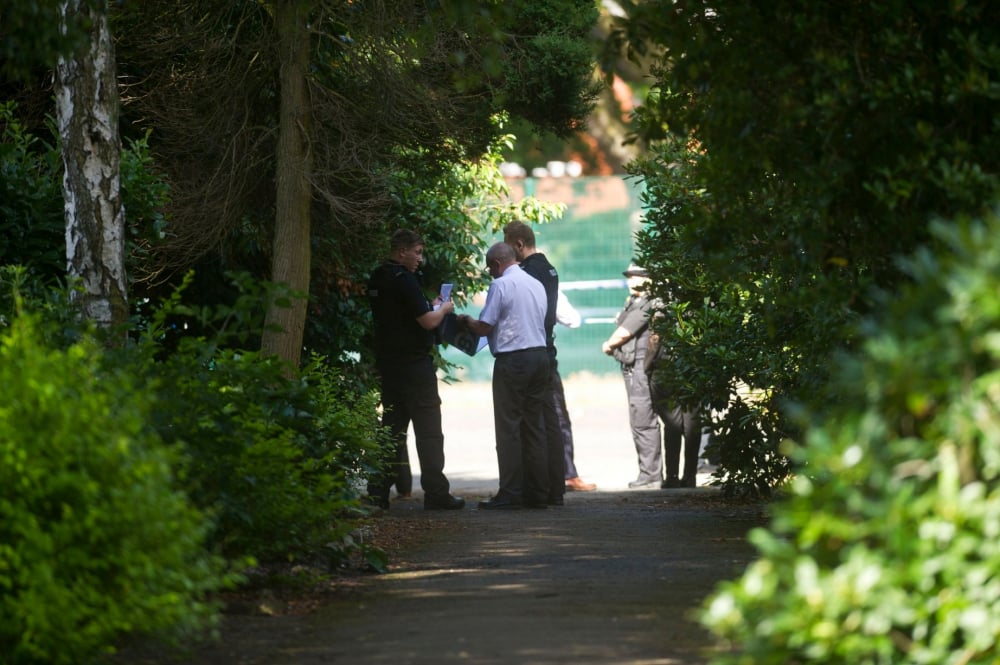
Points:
x=566 y=314
x=515 y=307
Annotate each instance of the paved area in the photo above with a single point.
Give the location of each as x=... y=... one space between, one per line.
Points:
x=612 y=577
x=598 y=408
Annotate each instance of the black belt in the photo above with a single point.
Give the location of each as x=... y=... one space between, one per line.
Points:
x=510 y=353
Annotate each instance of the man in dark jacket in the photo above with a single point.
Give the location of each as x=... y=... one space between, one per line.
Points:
x=404 y=337
x=558 y=431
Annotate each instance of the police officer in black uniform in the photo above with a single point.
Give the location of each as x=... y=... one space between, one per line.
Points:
x=522 y=239
x=404 y=337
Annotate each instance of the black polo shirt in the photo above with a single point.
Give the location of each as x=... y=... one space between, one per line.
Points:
x=539 y=267
x=397 y=301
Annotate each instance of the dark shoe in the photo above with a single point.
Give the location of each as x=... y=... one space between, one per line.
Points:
x=446 y=502
x=689 y=481
x=499 y=503
x=644 y=484
x=535 y=505
x=556 y=501
x=671 y=483
x=578 y=485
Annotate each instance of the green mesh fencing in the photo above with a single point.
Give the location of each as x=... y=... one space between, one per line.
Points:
x=590 y=246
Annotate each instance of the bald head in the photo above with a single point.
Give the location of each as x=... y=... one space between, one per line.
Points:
x=501 y=252
x=499 y=257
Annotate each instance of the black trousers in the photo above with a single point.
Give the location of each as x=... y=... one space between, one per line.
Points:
x=678 y=424
x=558 y=433
x=410 y=395
x=520 y=392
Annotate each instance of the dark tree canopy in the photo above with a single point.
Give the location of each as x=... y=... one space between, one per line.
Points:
x=390 y=82
x=803 y=147
x=30 y=37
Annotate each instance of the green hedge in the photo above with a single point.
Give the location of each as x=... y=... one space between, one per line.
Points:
x=136 y=481
x=888 y=547
x=96 y=541
x=277 y=460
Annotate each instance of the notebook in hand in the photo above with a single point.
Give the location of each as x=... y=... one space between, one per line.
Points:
x=455 y=333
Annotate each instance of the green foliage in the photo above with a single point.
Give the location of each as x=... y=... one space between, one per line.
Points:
x=31 y=208
x=529 y=58
x=200 y=448
x=718 y=336
x=811 y=146
x=31 y=204
x=20 y=291
x=96 y=538
x=887 y=549
x=275 y=459
x=456 y=211
x=549 y=82
x=455 y=207
x=30 y=36
x=749 y=457
x=146 y=193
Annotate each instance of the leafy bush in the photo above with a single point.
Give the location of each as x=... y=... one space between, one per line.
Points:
x=272 y=457
x=31 y=200
x=31 y=206
x=275 y=459
x=805 y=149
x=116 y=446
x=888 y=549
x=721 y=337
x=95 y=538
x=145 y=193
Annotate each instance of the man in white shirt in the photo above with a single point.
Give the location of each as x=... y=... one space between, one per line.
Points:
x=513 y=321
x=566 y=314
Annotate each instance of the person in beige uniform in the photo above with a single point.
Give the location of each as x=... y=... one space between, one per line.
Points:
x=628 y=344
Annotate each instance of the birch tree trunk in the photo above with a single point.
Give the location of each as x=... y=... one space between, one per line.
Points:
x=87 y=106
x=290 y=264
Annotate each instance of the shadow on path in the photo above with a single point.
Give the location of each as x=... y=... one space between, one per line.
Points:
x=611 y=577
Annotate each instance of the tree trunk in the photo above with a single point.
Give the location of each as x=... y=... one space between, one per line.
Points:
x=291 y=254
x=87 y=107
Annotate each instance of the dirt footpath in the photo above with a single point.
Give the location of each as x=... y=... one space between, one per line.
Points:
x=611 y=577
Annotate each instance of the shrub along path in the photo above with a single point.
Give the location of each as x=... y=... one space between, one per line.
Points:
x=611 y=577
